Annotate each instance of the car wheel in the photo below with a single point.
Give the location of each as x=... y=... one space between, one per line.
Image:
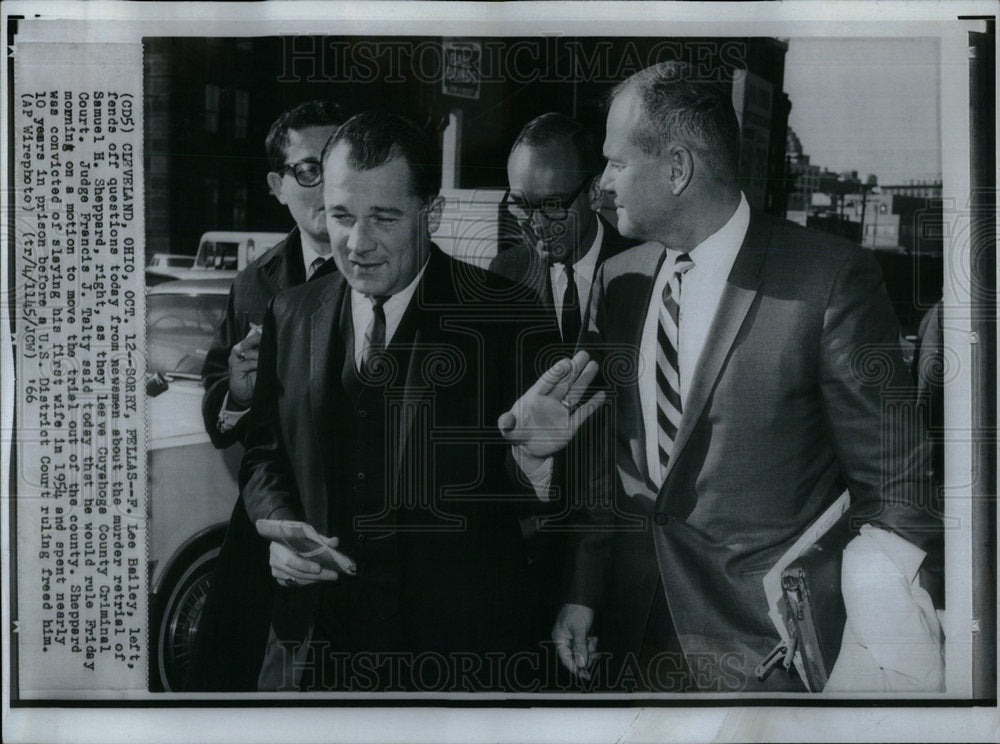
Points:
x=179 y=622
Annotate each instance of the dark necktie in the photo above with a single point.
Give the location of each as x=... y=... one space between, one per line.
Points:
x=374 y=337
x=668 y=388
x=314 y=267
x=570 y=321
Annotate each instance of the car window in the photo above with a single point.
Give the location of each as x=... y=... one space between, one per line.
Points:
x=218 y=255
x=179 y=330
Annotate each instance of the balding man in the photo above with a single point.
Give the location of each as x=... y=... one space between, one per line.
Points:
x=761 y=359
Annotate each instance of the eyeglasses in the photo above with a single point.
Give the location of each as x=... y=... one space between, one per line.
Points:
x=553 y=208
x=307 y=173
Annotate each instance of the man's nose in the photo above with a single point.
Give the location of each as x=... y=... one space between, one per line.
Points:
x=358 y=239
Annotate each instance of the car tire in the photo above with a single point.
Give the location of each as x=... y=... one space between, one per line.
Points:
x=178 y=625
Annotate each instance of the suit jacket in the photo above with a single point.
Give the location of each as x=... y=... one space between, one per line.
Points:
x=463 y=359
x=790 y=400
x=523 y=265
x=232 y=632
x=277 y=269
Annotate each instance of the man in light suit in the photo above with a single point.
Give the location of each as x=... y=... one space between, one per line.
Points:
x=554 y=194
x=750 y=364
x=233 y=627
x=377 y=392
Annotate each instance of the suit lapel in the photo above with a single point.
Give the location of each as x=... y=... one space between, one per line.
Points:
x=328 y=346
x=415 y=339
x=737 y=297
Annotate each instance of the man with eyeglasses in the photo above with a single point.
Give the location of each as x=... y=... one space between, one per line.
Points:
x=233 y=630
x=552 y=171
x=554 y=196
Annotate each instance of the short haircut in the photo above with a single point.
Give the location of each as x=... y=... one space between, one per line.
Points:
x=678 y=106
x=375 y=138
x=555 y=127
x=303 y=116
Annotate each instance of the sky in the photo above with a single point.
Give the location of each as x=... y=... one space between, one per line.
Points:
x=870 y=105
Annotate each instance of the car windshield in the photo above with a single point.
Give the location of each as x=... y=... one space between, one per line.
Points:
x=179 y=330
x=218 y=255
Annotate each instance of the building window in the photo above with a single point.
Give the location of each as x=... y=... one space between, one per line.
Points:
x=240 y=206
x=242 y=105
x=211 y=193
x=212 y=96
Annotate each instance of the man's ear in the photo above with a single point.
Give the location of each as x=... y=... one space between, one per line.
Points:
x=433 y=213
x=681 y=164
x=274 y=183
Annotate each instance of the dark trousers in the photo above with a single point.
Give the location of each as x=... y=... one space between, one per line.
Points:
x=661 y=658
x=655 y=664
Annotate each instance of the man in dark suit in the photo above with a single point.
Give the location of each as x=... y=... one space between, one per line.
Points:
x=375 y=398
x=233 y=629
x=554 y=194
x=754 y=363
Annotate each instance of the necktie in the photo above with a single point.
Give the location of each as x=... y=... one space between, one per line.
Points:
x=314 y=267
x=668 y=388
x=570 y=308
x=374 y=337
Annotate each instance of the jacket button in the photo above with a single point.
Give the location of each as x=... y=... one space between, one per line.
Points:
x=362 y=538
x=660 y=518
x=361 y=476
x=362 y=413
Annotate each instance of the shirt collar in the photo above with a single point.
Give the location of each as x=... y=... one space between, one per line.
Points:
x=395 y=302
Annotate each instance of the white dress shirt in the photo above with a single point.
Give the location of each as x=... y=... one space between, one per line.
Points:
x=363 y=310
x=583 y=274
x=701 y=290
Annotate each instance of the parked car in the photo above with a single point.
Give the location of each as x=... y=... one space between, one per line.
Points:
x=155 y=276
x=192 y=485
x=229 y=250
x=171 y=261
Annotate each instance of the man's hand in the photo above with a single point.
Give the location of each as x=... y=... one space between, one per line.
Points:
x=546 y=417
x=291 y=569
x=571 y=634
x=243 y=368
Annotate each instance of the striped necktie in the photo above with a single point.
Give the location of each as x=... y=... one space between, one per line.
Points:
x=668 y=388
